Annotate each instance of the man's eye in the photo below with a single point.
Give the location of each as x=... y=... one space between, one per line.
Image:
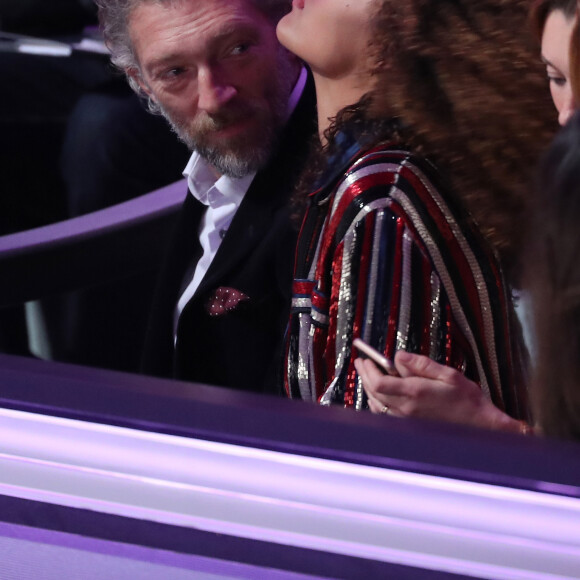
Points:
x=173 y=73
x=241 y=48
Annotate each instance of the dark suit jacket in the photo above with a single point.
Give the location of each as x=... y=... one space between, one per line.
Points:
x=238 y=348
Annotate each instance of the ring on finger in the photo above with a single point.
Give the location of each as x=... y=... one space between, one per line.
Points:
x=386 y=409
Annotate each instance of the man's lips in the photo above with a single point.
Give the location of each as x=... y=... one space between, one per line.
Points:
x=298 y=4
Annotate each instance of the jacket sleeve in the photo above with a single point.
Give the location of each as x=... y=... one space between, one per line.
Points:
x=405 y=273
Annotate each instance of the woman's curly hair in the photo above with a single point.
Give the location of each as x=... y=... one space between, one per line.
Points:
x=465 y=80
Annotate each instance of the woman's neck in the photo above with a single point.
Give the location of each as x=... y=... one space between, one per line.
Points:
x=333 y=95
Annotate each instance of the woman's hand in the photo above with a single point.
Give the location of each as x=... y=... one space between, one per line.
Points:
x=427 y=389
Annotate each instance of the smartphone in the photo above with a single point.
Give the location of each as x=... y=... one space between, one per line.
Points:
x=383 y=363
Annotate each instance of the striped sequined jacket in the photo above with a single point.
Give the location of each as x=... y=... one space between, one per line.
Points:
x=383 y=256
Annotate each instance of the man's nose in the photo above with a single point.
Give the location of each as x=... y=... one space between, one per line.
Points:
x=213 y=92
x=567 y=110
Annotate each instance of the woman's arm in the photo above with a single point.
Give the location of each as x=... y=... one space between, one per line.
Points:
x=408 y=275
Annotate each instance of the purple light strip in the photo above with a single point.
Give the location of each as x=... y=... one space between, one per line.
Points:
x=370 y=512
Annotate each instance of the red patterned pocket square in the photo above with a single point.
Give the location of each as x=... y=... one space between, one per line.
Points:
x=224 y=300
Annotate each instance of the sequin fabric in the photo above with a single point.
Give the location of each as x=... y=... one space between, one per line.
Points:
x=224 y=300
x=382 y=256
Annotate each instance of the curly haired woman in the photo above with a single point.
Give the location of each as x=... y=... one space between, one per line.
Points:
x=418 y=190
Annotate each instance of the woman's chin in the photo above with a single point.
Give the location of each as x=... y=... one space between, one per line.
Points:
x=286 y=32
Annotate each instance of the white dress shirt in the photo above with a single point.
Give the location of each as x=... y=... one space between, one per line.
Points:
x=222 y=196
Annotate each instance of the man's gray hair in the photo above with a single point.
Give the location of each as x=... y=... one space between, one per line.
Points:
x=114 y=18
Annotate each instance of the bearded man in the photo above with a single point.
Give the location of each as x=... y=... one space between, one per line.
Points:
x=245 y=107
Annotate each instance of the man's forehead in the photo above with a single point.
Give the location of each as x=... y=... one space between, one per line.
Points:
x=165 y=32
x=214 y=18
x=250 y=9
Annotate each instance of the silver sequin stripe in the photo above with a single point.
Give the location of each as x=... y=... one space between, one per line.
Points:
x=304 y=359
x=345 y=313
x=404 y=321
x=302 y=303
x=435 y=351
x=327 y=397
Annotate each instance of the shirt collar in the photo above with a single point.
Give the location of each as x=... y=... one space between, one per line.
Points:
x=210 y=189
x=202 y=180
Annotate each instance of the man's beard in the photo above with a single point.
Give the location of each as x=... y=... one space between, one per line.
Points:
x=245 y=153
x=235 y=157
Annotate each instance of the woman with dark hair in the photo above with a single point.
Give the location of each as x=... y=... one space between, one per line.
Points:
x=418 y=190
x=553 y=22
